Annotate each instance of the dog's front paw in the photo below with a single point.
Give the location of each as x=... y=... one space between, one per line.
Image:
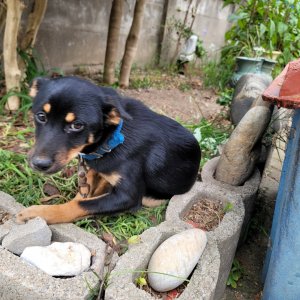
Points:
x=29 y=213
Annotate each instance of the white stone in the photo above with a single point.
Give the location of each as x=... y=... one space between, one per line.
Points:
x=59 y=259
x=176 y=256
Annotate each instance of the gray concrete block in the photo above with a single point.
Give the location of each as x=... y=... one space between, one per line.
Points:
x=5 y=228
x=21 y=281
x=121 y=285
x=227 y=233
x=247 y=191
x=33 y=233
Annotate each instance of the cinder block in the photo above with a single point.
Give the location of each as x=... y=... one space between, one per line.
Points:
x=21 y=281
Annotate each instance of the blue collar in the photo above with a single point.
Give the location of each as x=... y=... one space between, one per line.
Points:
x=113 y=141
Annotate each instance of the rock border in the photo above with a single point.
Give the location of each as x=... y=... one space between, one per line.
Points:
x=20 y=280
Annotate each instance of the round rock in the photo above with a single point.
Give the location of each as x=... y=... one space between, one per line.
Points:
x=176 y=258
x=59 y=259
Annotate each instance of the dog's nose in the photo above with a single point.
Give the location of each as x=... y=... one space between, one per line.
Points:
x=41 y=163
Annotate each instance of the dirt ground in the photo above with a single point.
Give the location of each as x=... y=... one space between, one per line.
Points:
x=190 y=106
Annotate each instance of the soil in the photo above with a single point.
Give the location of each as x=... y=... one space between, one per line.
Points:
x=4 y=216
x=173 y=294
x=205 y=214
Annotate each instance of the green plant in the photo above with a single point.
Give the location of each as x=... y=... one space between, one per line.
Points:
x=217 y=74
x=200 y=50
x=235 y=274
x=125 y=225
x=33 y=64
x=185 y=86
x=139 y=83
x=209 y=138
x=228 y=207
x=225 y=97
x=271 y=25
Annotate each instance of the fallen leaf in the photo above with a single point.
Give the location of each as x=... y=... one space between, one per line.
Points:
x=50 y=190
x=135 y=239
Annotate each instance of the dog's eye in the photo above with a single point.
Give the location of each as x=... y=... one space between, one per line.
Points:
x=76 y=126
x=41 y=117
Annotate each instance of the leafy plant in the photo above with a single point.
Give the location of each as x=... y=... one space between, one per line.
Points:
x=33 y=64
x=271 y=25
x=216 y=74
x=141 y=280
x=209 y=138
x=235 y=274
x=200 y=50
x=225 y=97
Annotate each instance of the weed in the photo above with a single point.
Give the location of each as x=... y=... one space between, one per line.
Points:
x=228 y=207
x=217 y=74
x=143 y=83
x=185 y=86
x=235 y=274
x=225 y=97
x=33 y=64
x=209 y=138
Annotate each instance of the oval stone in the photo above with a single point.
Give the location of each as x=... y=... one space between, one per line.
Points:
x=176 y=258
x=59 y=259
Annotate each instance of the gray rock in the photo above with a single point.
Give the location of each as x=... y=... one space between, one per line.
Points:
x=34 y=233
x=59 y=259
x=174 y=260
x=247 y=94
x=242 y=151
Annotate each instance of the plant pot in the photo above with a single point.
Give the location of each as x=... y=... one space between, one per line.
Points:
x=247 y=65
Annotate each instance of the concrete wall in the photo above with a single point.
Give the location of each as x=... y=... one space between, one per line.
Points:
x=210 y=25
x=73 y=32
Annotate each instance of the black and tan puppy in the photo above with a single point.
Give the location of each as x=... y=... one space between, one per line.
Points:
x=130 y=151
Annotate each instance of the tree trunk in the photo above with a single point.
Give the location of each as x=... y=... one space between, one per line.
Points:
x=2 y=15
x=113 y=41
x=11 y=69
x=33 y=24
x=131 y=43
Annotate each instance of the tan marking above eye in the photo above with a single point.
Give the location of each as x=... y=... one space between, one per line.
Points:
x=47 y=107
x=70 y=117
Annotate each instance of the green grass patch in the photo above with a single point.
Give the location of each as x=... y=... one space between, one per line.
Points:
x=25 y=185
x=125 y=225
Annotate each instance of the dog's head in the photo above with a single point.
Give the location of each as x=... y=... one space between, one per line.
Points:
x=71 y=115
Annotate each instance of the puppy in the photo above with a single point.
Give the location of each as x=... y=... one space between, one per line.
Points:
x=128 y=151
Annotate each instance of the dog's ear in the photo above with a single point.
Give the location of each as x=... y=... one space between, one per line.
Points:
x=113 y=111
x=35 y=85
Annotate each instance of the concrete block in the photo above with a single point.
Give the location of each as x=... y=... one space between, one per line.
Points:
x=227 y=233
x=247 y=192
x=33 y=233
x=203 y=282
x=21 y=281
